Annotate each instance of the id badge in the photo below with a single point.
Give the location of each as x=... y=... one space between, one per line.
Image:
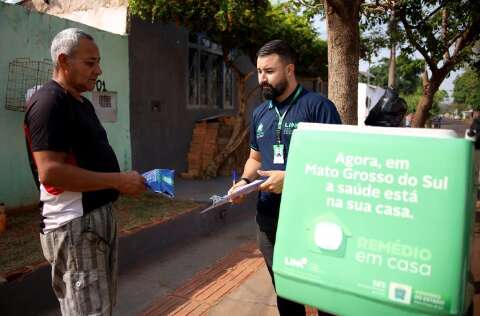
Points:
x=278 y=154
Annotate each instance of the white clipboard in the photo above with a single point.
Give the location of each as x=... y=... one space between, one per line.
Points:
x=222 y=200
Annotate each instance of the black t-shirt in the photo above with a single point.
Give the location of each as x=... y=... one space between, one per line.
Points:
x=301 y=106
x=56 y=121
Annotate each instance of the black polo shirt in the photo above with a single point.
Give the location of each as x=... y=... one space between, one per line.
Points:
x=301 y=106
x=56 y=121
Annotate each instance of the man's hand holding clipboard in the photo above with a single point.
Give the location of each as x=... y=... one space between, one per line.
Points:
x=234 y=194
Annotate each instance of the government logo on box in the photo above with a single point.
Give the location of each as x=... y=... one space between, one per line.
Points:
x=400 y=293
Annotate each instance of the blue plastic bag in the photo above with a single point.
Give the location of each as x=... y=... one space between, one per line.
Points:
x=161 y=181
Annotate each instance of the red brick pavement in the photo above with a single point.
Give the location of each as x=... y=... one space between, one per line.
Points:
x=208 y=287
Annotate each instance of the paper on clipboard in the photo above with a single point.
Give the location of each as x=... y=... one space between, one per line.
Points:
x=222 y=200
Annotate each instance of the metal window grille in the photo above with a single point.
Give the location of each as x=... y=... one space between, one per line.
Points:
x=25 y=76
x=210 y=81
x=105 y=101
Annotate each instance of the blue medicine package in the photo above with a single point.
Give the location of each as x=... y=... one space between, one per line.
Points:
x=161 y=181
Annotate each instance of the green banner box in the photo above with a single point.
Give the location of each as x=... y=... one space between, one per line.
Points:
x=376 y=221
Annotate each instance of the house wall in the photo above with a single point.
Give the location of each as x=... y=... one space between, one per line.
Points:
x=158 y=70
x=25 y=33
x=107 y=15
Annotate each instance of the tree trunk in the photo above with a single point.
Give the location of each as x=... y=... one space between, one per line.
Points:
x=423 y=106
x=392 y=82
x=242 y=87
x=393 y=32
x=343 y=57
x=240 y=129
x=430 y=87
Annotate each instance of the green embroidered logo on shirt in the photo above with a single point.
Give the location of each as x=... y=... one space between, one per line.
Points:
x=260 y=132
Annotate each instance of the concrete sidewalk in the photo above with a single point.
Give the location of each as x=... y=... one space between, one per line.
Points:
x=208 y=287
x=239 y=284
x=159 y=274
x=155 y=260
x=254 y=297
x=230 y=293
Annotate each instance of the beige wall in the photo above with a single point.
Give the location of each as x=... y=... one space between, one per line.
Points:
x=107 y=15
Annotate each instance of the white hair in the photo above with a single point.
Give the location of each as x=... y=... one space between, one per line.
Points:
x=66 y=41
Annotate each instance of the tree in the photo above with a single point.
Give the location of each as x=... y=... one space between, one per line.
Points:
x=342 y=19
x=381 y=30
x=394 y=38
x=443 y=32
x=457 y=107
x=343 y=56
x=240 y=27
x=412 y=100
x=285 y=22
x=408 y=81
x=407 y=73
x=466 y=89
x=372 y=39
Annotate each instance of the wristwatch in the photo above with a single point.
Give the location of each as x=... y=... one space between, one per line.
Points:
x=247 y=180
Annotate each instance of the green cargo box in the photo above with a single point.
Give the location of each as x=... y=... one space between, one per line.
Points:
x=376 y=221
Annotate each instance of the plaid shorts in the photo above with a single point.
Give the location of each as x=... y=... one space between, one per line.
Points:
x=83 y=256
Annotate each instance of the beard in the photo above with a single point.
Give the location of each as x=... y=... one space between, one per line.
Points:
x=270 y=92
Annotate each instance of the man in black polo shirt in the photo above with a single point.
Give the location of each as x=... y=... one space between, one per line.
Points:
x=272 y=125
x=79 y=179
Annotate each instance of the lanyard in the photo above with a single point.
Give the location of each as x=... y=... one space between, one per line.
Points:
x=278 y=130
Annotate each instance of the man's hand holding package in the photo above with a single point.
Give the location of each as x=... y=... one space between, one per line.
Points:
x=131 y=183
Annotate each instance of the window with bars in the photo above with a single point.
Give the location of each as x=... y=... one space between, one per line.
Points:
x=105 y=101
x=210 y=81
x=105 y=105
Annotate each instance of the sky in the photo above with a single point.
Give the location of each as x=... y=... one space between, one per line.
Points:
x=447 y=84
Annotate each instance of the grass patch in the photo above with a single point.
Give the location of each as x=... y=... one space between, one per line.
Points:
x=20 y=244
x=133 y=212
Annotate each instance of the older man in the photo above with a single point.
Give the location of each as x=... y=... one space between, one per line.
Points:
x=79 y=179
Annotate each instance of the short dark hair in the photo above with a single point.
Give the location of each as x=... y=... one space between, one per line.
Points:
x=281 y=48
